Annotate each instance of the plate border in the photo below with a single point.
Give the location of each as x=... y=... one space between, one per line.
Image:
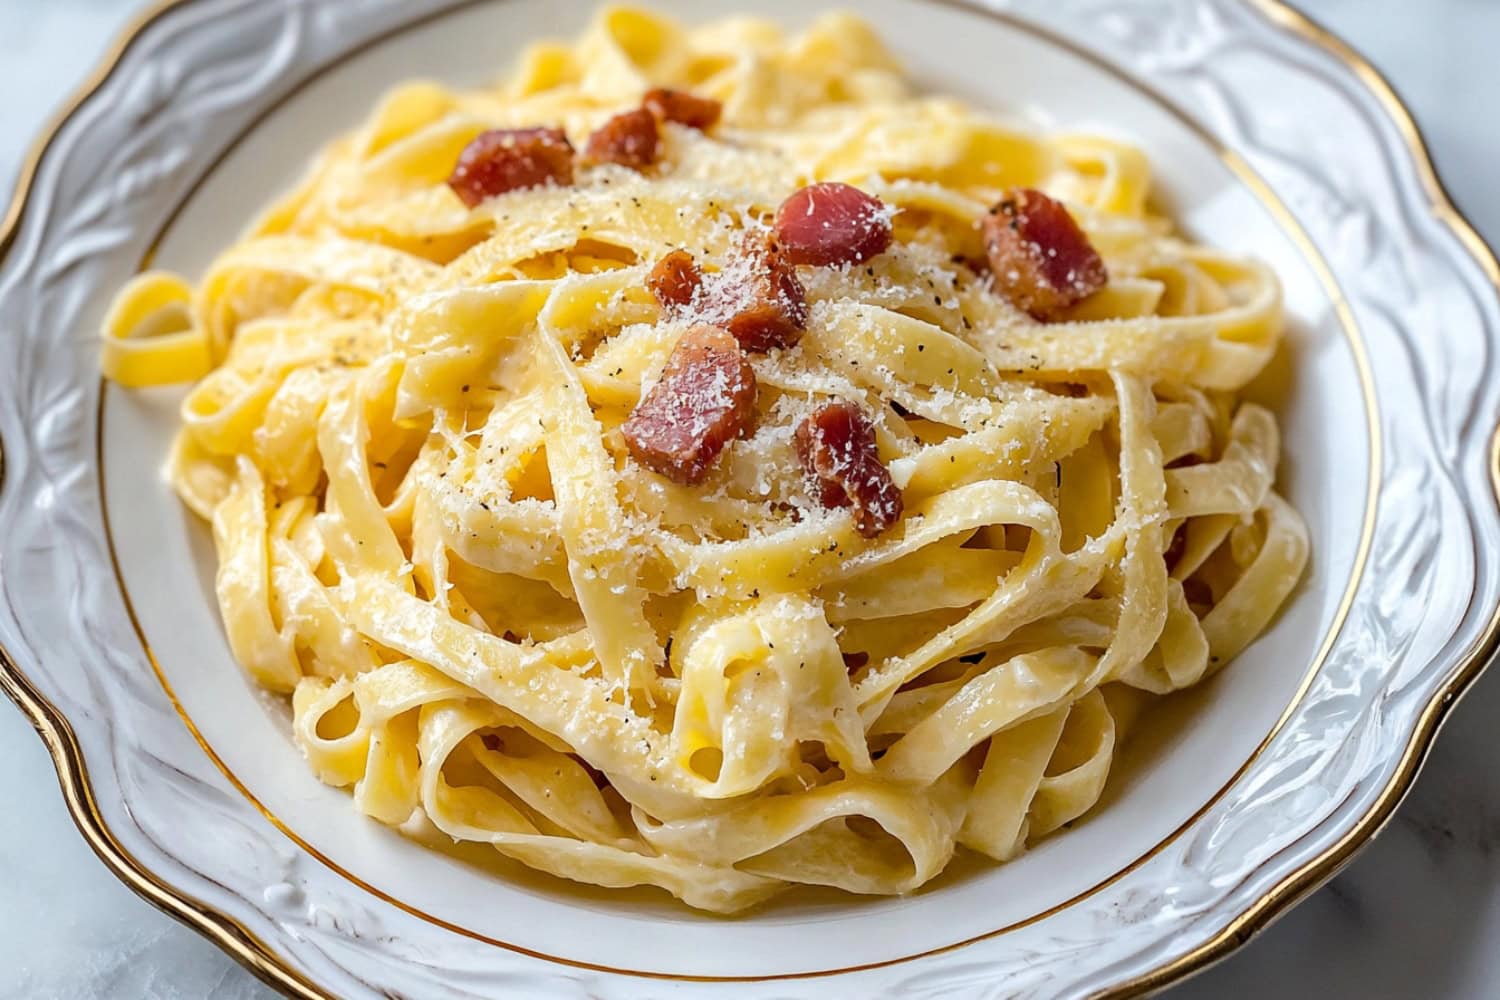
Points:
x=63 y=746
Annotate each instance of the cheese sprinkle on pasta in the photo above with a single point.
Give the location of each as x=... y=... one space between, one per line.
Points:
x=942 y=515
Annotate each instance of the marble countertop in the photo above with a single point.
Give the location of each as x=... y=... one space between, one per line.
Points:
x=1416 y=915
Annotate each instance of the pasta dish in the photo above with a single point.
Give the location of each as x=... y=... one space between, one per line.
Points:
x=701 y=461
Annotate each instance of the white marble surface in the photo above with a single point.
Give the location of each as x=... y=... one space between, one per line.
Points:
x=1416 y=915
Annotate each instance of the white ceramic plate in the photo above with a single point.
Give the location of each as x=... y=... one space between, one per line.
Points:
x=1237 y=797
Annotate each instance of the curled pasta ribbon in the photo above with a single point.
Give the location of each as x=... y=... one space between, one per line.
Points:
x=149 y=334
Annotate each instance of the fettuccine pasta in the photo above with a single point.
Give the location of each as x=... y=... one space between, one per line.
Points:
x=432 y=429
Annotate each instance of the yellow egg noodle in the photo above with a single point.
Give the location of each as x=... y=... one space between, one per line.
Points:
x=496 y=626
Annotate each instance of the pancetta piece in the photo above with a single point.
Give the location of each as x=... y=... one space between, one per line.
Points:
x=629 y=139
x=832 y=224
x=759 y=297
x=836 y=443
x=704 y=399
x=509 y=159
x=1039 y=257
x=682 y=108
x=675 y=279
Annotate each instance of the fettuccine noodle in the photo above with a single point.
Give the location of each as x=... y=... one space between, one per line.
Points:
x=495 y=624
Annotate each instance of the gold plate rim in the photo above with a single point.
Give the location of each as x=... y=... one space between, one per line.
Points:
x=62 y=744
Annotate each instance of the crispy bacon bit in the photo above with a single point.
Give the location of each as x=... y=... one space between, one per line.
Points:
x=1039 y=256
x=837 y=446
x=704 y=399
x=853 y=661
x=628 y=139
x=760 y=298
x=509 y=159
x=832 y=224
x=675 y=279
x=682 y=108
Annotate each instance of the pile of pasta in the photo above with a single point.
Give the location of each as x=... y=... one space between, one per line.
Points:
x=497 y=626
